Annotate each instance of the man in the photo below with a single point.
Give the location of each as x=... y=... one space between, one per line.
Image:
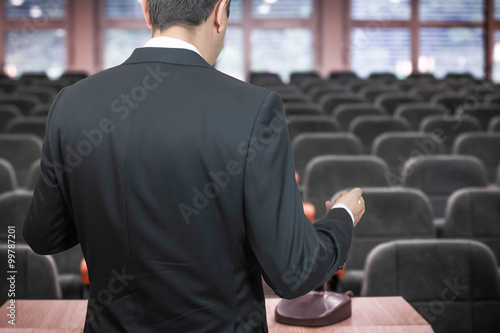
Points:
x=178 y=182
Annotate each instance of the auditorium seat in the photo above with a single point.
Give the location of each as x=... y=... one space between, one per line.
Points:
x=407 y=85
x=485 y=146
x=307 y=146
x=453 y=284
x=36 y=276
x=494 y=125
x=259 y=78
x=355 y=86
x=449 y=128
x=281 y=88
x=371 y=92
x=68 y=270
x=326 y=175
x=297 y=77
x=308 y=83
x=8 y=85
x=40 y=110
x=440 y=175
x=391 y=214
x=391 y=101
x=29 y=77
x=33 y=175
x=302 y=109
x=451 y=101
x=56 y=85
x=8 y=180
x=427 y=93
x=8 y=112
x=24 y=102
x=304 y=124
x=13 y=208
x=416 y=112
x=475 y=214
x=346 y=113
x=288 y=97
x=367 y=128
x=483 y=113
x=330 y=101
x=45 y=94
x=342 y=76
x=422 y=77
x=493 y=99
x=27 y=125
x=385 y=78
x=459 y=76
x=317 y=92
x=74 y=76
x=21 y=150
x=397 y=148
x=498 y=176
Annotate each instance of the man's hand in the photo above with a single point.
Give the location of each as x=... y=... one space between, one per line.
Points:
x=354 y=201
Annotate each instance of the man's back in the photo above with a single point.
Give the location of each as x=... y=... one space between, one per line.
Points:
x=178 y=182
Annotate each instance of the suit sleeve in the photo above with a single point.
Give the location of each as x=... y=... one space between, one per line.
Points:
x=296 y=256
x=48 y=226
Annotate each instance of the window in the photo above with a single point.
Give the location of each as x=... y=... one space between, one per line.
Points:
x=253 y=39
x=236 y=13
x=270 y=35
x=445 y=50
x=496 y=13
x=384 y=50
x=444 y=36
x=381 y=10
x=120 y=43
x=452 y=10
x=23 y=52
x=17 y=9
x=496 y=57
x=273 y=9
x=31 y=26
x=282 y=51
x=232 y=60
x=119 y=9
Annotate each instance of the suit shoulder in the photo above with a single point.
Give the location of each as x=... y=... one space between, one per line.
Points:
x=236 y=85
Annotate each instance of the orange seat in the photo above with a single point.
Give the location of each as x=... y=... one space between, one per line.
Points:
x=310 y=211
x=297 y=178
x=84 y=273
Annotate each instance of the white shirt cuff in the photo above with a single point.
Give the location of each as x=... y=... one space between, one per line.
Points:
x=339 y=205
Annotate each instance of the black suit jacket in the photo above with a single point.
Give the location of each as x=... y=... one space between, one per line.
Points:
x=178 y=182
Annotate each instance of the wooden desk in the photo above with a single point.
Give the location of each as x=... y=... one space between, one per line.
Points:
x=369 y=315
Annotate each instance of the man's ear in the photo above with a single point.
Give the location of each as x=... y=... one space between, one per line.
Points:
x=221 y=15
x=145 y=12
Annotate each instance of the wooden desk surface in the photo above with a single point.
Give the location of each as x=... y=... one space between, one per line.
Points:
x=369 y=315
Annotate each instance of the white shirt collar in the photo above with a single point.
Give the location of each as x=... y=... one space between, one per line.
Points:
x=170 y=42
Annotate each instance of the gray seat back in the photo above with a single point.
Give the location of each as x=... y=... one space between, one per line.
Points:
x=453 y=284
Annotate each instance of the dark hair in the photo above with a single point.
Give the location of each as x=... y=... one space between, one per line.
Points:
x=188 y=13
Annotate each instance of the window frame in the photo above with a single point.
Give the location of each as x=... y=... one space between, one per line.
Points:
x=247 y=23
x=65 y=23
x=414 y=24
